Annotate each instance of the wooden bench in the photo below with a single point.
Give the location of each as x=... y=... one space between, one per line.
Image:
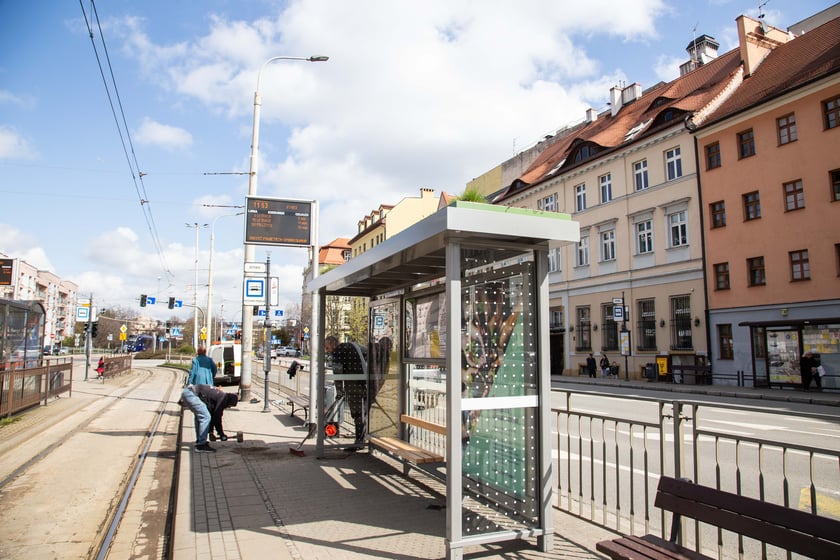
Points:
x=299 y=401
x=407 y=453
x=787 y=528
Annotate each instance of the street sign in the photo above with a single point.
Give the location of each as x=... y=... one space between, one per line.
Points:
x=617 y=301
x=255 y=267
x=261 y=313
x=83 y=314
x=254 y=290
x=123 y=328
x=175 y=331
x=278 y=312
x=275 y=291
x=618 y=313
x=150 y=300
x=179 y=303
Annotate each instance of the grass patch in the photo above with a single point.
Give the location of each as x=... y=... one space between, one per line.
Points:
x=10 y=420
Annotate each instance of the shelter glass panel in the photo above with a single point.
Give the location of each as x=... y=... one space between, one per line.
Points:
x=500 y=433
x=384 y=368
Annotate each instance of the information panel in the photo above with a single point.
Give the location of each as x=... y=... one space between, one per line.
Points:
x=6 y=271
x=275 y=221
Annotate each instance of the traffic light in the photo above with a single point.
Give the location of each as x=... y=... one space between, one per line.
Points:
x=172 y=303
x=94 y=329
x=143 y=300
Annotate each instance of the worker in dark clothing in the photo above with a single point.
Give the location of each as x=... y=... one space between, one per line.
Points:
x=207 y=404
x=349 y=359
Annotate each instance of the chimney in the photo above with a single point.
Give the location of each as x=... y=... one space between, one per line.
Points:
x=701 y=50
x=615 y=100
x=591 y=115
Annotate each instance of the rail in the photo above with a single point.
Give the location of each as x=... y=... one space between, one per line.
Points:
x=609 y=465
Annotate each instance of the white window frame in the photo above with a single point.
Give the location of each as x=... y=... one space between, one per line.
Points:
x=673 y=163
x=582 y=252
x=580 y=197
x=608 y=245
x=605 y=183
x=549 y=203
x=554 y=260
x=640 y=175
x=644 y=237
x=678 y=226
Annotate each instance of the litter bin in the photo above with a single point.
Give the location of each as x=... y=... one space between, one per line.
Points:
x=650 y=372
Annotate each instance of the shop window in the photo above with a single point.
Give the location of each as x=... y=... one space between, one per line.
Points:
x=681 y=338
x=725 y=346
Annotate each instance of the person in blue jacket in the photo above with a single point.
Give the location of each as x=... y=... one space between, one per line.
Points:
x=203 y=370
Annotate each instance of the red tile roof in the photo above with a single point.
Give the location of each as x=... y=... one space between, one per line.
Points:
x=809 y=57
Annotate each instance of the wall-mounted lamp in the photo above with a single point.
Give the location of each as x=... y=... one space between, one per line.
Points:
x=572 y=328
x=697 y=321
x=661 y=323
x=595 y=327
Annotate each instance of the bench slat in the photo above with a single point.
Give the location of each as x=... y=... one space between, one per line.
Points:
x=425 y=424
x=405 y=450
x=784 y=527
x=638 y=548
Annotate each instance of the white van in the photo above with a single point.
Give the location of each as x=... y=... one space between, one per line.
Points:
x=228 y=359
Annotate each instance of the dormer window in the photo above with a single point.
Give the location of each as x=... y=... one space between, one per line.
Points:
x=584 y=152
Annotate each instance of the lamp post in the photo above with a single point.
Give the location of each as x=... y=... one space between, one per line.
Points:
x=197 y=226
x=209 y=318
x=247 y=312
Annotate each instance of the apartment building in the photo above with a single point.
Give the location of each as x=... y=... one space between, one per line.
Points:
x=770 y=189
x=633 y=288
x=388 y=220
x=57 y=295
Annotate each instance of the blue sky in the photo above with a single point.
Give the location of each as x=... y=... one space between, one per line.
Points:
x=415 y=95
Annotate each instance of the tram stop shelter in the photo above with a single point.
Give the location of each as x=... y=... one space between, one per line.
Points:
x=457 y=376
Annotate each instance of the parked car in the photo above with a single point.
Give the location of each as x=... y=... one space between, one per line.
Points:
x=289 y=351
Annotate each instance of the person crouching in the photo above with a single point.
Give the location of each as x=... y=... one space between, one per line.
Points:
x=207 y=404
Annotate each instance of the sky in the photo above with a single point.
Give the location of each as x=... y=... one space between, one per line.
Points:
x=123 y=124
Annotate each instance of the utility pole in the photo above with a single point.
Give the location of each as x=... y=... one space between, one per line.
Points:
x=88 y=341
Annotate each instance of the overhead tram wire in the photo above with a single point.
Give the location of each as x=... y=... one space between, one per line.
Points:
x=124 y=134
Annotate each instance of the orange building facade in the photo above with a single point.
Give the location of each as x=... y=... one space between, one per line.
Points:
x=769 y=165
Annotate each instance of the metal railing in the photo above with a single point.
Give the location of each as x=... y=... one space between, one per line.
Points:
x=609 y=465
x=22 y=388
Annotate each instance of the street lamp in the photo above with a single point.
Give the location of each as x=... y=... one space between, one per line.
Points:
x=208 y=319
x=247 y=313
x=197 y=226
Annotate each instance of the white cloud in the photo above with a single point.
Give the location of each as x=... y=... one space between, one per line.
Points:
x=19 y=245
x=164 y=135
x=14 y=146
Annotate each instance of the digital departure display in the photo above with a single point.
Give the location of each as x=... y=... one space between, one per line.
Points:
x=275 y=221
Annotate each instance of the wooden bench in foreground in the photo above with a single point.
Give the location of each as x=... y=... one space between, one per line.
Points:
x=787 y=528
x=404 y=451
x=299 y=401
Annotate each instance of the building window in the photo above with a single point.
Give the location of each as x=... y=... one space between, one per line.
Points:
x=584 y=329
x=554 y=260
x=722 y=276
x=608 y=245
x=831 y=110
x=837 y=257
x=556 y=319
x=678 y=225
x=644 y=237
x=718 y=214
x=548 y=204
x=713 y=156
x=347 y=254
x=605 y=182
x=640 y=175
x=800 y=267
x=726 y=349
x=752 y=206
x=681 y=323
x=834 y=177
x=794 y=195
x=609 y=329
x=673 y=163
x=580 y=197
x=746 y=144
x=755 y=271
x=583 y=252
x=646 y=325
x=787 y=129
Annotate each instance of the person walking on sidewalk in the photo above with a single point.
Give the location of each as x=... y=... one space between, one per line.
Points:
x=207 y=404
x=203 y=370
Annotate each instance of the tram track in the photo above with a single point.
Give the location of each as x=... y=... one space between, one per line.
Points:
x=90 y=462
